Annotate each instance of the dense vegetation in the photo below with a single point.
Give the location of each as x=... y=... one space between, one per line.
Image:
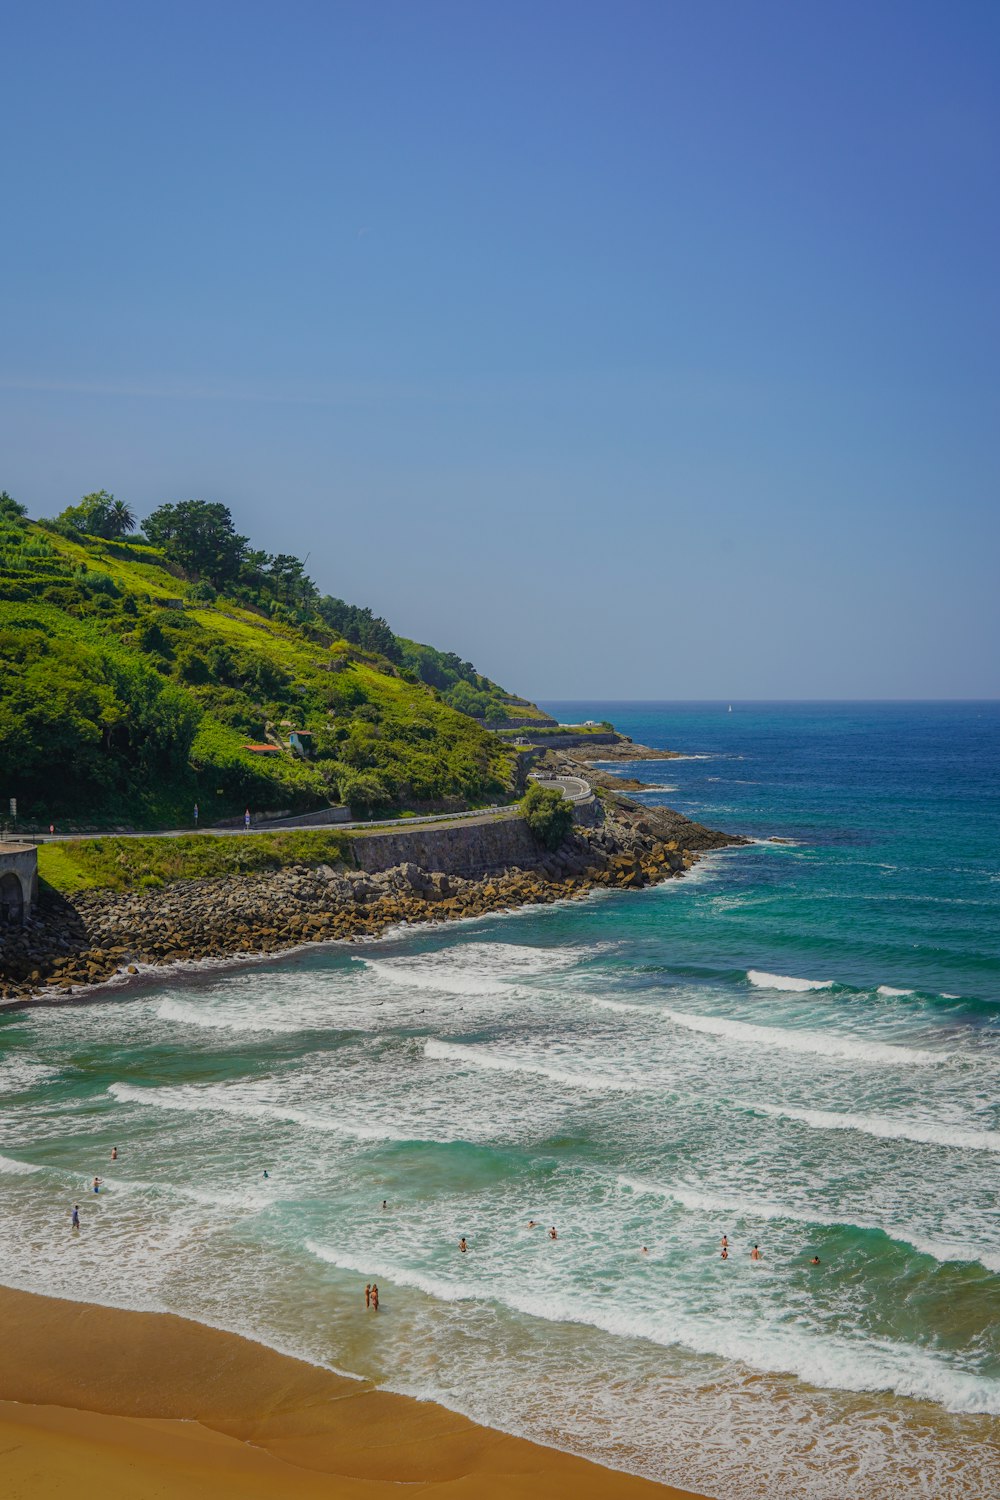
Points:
x=547 y=813
x=135 y=673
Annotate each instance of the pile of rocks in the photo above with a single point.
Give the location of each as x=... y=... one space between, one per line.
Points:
x=99 y=934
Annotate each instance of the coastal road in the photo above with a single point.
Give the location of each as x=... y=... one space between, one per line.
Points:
x=479 y=814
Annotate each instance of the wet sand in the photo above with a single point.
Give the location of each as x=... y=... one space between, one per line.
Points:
x=148 y=1406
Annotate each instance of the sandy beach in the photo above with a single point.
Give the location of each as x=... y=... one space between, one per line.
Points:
x=148 y=1406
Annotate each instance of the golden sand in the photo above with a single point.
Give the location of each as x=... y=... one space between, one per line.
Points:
x=110 y=1405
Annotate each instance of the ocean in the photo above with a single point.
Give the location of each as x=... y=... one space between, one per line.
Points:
x=796 y=1046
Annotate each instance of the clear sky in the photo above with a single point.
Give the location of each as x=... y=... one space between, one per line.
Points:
x=629 y=349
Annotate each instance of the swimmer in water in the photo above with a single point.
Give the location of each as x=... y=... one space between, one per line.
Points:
x=114 y=1153
x=644 y=1251
x=266 y=1174
x=815 y=1261
x=97 y=1184
x=755 y=1253
x=385 y=1203
x=532 y=1224
x=462 y=1245
x=724 y=1242
x=552 y=1233
x=725 y=1253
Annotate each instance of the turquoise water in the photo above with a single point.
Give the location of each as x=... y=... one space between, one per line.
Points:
x=798 y=1045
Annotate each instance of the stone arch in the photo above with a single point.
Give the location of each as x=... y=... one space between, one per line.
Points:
x=11 y=899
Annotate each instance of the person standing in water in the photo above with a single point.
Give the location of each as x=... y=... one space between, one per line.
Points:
x=74 y=1222
x=114 y=1153
x=552 y=1233
x=374 y=1296
x=724 y=1242
x=368 y=1295
x=755 y=1253
x=725 y=1253
x=97 y=1184
x=462 y=1245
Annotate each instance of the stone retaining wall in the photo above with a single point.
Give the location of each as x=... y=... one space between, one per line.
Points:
x=471 y=850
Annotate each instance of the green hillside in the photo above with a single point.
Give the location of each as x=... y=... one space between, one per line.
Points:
x=133 y=677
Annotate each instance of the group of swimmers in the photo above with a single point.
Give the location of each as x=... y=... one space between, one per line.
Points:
x=74 y=1218
x=755 y=1254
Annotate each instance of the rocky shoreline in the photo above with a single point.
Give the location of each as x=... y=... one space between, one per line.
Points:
x=96 y=936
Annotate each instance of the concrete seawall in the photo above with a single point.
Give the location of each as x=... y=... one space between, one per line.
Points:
x=469 y=850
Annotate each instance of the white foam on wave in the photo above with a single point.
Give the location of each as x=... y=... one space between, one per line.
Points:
x=254 y=1197
x=834 y=1361
x=891 y=992
x=824 y=1044
x=883 y=1127
x=766 y=981
x=17 y=1168
x=221 y=1020
x=19 y=1073
x=497 y=1062
x=219 y=1099
x=477 y=968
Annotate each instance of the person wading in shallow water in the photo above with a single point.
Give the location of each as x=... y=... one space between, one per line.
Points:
x=368 y=1295
x=552 y=1233
x=374 y=1296
x=755 y=1253
x=462 y=1245
x=75 y=1217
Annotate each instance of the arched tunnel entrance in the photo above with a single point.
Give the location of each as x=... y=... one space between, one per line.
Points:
x=11 y=900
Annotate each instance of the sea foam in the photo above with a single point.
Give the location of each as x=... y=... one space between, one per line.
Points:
x=788 y=1039
x=883 y=1127
x=478 y=1057
x=219 y=1099
x=17 y=1168
x=767 y=981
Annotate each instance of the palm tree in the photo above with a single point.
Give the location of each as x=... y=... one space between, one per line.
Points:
x=121 y=518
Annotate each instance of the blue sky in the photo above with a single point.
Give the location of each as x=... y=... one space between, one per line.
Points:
x=633 y=350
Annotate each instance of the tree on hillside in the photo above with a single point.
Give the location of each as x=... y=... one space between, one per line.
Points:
x=121 y=518
x=11 y=509
x=199 y=536
x=99 y=514
x=547 y=813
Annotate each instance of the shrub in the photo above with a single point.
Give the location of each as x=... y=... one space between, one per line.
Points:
x=547 y=813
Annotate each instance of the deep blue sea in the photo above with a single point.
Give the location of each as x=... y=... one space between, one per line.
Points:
x=796 y=1046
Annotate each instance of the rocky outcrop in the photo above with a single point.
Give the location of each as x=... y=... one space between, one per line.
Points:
x=415 y=875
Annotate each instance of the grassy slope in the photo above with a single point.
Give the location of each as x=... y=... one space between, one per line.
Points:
x=124 y=864
x=423 y=750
